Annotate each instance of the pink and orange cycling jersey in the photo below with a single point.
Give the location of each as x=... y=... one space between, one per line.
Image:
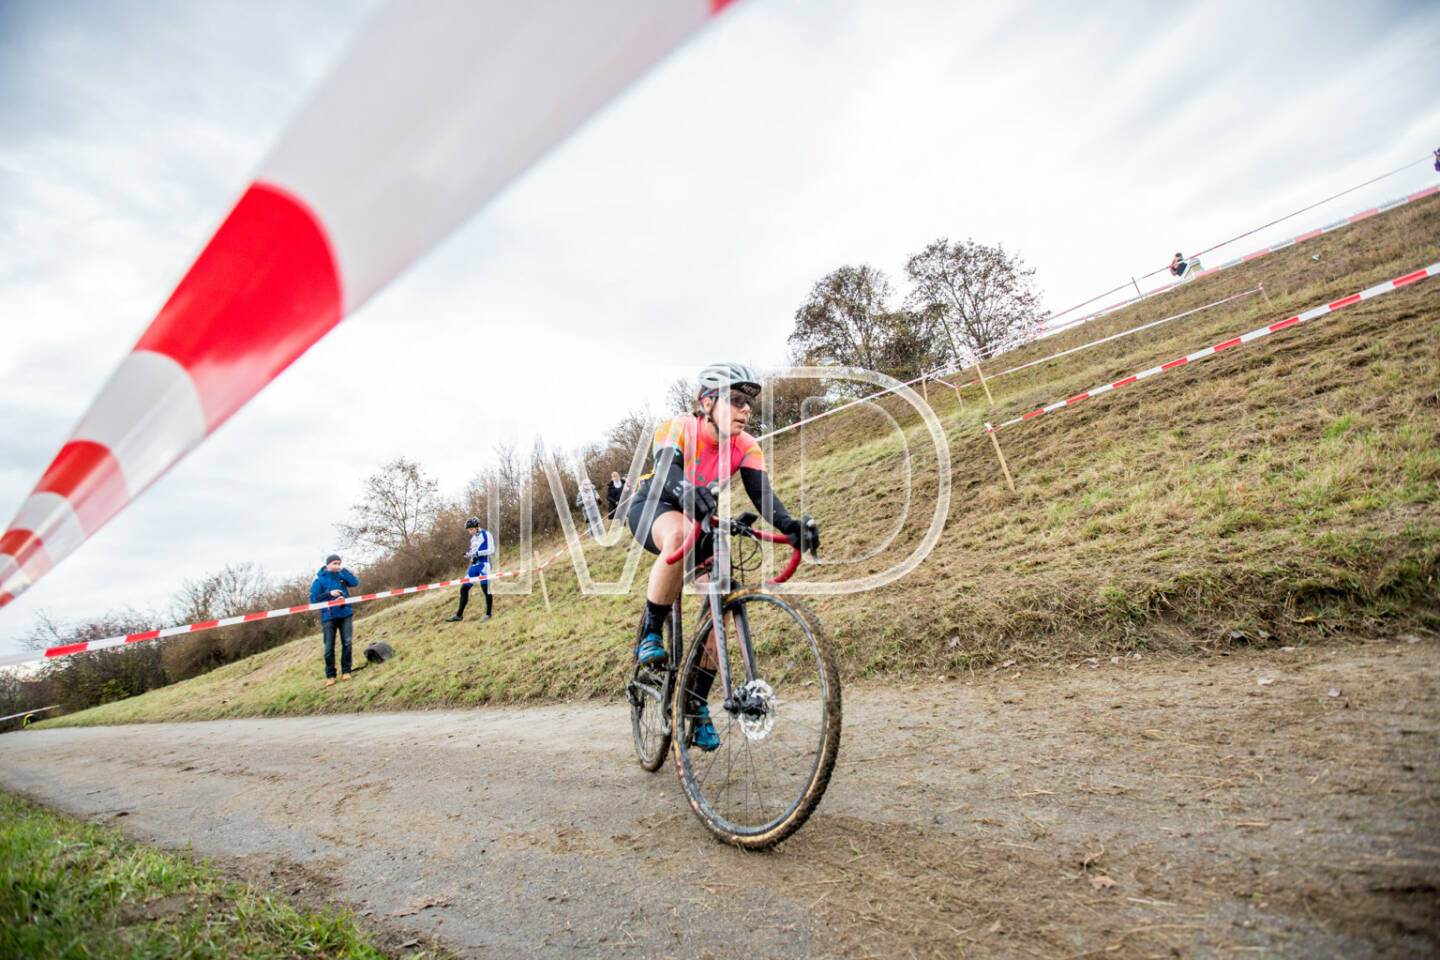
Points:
x=701 y=455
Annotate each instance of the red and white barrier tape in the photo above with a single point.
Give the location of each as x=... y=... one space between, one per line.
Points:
x=1375 y=291
x=1253 y=255
x=1115 y=336
x=469 y=95
x=1240 y=236
x=119 y=641
x=26 y=713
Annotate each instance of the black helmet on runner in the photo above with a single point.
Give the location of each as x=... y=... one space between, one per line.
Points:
x=734 y=376
x=472 y=523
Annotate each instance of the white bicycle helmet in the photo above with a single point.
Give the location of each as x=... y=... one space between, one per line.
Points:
x=734 y=376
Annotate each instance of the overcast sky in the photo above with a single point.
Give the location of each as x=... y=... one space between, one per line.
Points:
x=684 y=223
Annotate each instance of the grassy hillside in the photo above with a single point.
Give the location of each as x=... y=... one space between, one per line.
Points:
x=1283 y=491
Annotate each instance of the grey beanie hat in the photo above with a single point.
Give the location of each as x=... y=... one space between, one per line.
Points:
x=332 y=558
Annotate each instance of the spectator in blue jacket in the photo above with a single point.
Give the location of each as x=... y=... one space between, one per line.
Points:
x=332 y=582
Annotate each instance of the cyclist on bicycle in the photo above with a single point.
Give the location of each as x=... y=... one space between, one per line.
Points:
x=689 y=456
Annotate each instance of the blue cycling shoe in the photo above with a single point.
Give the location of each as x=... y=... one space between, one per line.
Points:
x=706 y=738
x=651 y=649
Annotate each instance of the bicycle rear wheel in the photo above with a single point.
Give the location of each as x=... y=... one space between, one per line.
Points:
x=647 y=691
x=778 y=739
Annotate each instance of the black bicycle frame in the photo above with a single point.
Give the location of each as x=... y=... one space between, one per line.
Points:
x=715 y=589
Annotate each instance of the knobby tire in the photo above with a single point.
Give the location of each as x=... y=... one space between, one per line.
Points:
x=649 y=713
x=821 y=705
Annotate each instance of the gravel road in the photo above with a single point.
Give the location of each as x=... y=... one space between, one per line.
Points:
x=1272 y=803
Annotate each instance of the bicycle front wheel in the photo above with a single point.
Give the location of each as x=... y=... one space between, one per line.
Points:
x=779 y=733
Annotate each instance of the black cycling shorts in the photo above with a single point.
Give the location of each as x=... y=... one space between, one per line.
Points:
x=636 y=515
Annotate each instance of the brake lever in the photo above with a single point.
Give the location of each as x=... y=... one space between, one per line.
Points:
x=744 y=525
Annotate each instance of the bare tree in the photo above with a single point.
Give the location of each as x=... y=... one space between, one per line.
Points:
x=47 y=632
x=233 y=589
x=633 y=429
x=915 y=342
x=680 y=397
x=400 y=505
x=845 y=319
x=982 y=295
x=99 y=676
x=784 y=399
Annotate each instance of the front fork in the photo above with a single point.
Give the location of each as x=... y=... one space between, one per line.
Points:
x=715 y=655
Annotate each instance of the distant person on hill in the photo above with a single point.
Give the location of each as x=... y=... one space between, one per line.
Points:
x=332 y=582
x=588 y=500
x=586 y=495
x=1179 y=265
x=479 y=553
x=1437 y=159
x=614 y=490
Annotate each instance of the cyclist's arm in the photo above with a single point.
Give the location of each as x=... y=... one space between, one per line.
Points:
x=669 y=473
x=757 y=485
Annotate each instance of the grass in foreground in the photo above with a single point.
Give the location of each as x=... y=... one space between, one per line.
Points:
x=77 y=890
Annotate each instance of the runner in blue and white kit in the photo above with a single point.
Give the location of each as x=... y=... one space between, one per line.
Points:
x=482 y=548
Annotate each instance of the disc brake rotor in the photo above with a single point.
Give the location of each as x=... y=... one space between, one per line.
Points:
x=756 y=723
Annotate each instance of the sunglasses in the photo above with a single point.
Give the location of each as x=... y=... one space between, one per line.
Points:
x=738 y=399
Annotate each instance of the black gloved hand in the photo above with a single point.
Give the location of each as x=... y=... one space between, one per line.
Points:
x=697 y=501
x=803 y=534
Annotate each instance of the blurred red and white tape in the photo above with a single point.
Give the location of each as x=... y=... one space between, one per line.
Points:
x=468 y=94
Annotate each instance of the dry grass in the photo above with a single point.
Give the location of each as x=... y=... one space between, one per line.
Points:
x=1283 y=491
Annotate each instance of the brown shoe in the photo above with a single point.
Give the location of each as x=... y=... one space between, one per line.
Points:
x=344 y=676
x=329 y=681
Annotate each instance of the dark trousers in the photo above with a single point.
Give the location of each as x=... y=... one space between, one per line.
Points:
x=345 y=626
x=465 y=597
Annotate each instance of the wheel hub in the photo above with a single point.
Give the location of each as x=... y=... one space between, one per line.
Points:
x=753 y=706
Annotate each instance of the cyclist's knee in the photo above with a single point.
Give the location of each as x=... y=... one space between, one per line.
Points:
x=668 y=534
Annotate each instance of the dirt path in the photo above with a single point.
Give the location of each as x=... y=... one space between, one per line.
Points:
x=1281 y=803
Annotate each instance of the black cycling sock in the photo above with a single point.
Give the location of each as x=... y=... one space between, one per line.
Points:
x=700 y=688
x=489 y=600
x=464 y=599
x=655 y=615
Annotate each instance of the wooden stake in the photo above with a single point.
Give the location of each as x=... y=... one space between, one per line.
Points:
x=925 y=389
x=1264 y=294
x=959 y=399
x=1001 y=454
x=982 y=381
x=544 y=591
x=1137 y=287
